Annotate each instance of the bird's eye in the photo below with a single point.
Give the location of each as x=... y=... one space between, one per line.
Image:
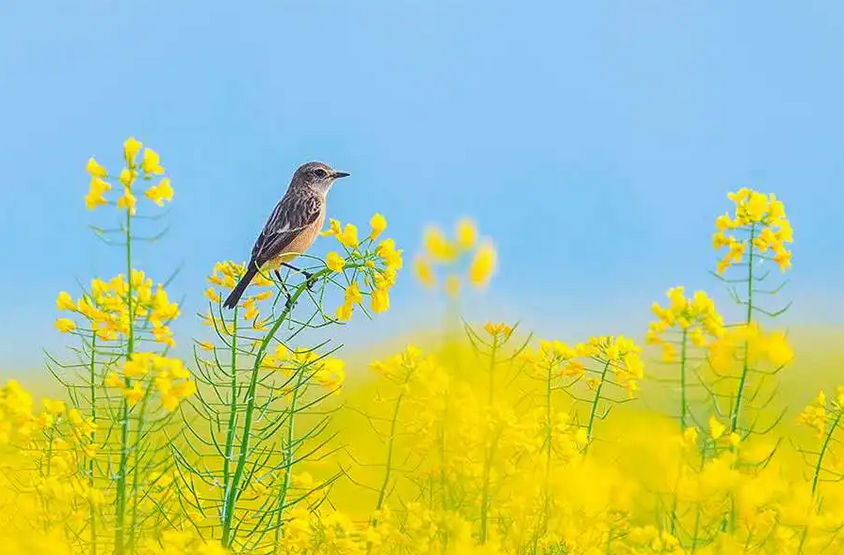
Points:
x=319 y=172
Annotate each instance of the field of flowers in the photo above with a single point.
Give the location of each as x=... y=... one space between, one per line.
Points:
x=486 y=441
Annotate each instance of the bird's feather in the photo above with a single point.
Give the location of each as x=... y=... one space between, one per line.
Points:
x=293 y=214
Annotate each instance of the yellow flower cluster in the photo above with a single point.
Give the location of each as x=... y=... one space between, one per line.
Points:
x=772 y=347
x=696 y=317
x=108 y=305
x=821 y=412
x=148 y=167
x=439 y=250
x=329 y=372
x=379 y=264
x=763 y=217
x=169 y=378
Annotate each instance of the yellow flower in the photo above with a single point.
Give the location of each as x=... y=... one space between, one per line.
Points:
x=335 y=262
x=716 y=429
x=113 y=380
x=466 y=234
x=353 y=294
x=390 y=254
x=133 y=394
x=96 y=192
x=440 y=249
x=130 y=150
x=54 y=407
x=127 y=201
x=126 y=177
x=65 y=302
x=756 y=206
x=380 y=300
x=783 y=259
x=161 y=192
x=151 y=162
x=349 y=237
x=333 y=228
x=424 y=272
x=581 y=436
x=483 y=265
x=65 y=325
x=94 y=169
x=212 y=295
x=378 y=225
x=344 y=312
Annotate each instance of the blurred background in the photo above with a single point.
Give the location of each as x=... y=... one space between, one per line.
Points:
x=595 y=144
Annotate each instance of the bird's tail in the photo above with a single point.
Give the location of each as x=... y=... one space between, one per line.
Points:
x=240 y=288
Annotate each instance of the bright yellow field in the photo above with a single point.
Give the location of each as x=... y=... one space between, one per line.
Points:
x=710 y=437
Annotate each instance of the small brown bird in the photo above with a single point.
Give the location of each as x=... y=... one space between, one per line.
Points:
x=292 y=226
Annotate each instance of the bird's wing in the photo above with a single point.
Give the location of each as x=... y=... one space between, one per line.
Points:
x=292 y=214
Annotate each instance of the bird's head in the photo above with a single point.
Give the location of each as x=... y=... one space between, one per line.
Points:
x=316 y=176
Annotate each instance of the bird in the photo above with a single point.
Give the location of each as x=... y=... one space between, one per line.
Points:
x=291 y=227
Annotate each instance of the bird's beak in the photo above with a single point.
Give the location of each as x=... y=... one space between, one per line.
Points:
x=338 y=175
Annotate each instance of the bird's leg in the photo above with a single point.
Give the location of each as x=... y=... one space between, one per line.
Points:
x=309 y=277
x=289 y=304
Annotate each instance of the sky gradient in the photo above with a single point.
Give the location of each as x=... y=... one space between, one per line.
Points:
x=593 y=142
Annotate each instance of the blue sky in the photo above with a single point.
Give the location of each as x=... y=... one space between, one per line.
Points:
x=594 y=142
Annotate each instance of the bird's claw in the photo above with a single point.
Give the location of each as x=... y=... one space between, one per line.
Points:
x=310 y=280
x=288 y=306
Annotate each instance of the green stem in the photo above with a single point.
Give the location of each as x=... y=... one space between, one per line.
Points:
x=233 y=492
x=135 y=497
x=746 y=365
x=120 y=501
x=288 y=462
x=816 y=474
x=230 y=432
x=93 y=384
x=594 y=410
x=382 y=492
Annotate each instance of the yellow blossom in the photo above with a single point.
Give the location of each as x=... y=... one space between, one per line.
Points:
x=65 y=325
x=380 y=300
x=133 y=394
x=161 y=192
x=130 y=150
x=716 y=429
x=94 y=169
x=151 y=162
x=483 y=265
x=378 y=224
x=65 y=301
x=424 y=272
x=466 y=234
x=335 y=262
x=439 y=248
x=127 y=201
x=349 y=236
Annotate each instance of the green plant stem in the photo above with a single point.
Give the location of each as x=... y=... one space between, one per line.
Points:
x=594 y=409
x=230 y=432
x=817 y=472
x=749 y=317
x=93 y=384
x=120 y=501
x=288 y=462
x=135 y=497
x=233 y=492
